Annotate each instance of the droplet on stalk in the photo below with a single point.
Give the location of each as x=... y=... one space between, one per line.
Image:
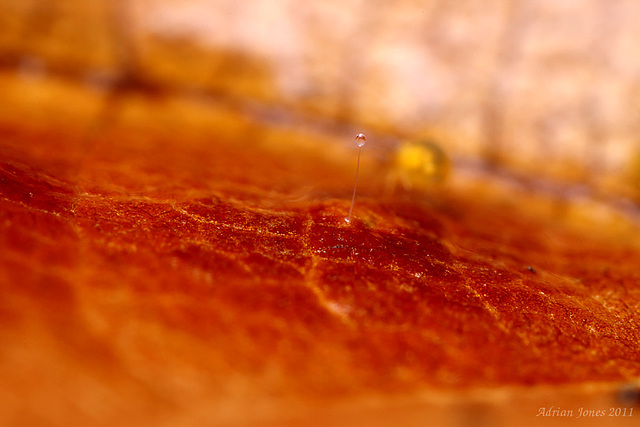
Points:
x=360 y=141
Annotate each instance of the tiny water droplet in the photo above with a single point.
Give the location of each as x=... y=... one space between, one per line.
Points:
x=360 y=140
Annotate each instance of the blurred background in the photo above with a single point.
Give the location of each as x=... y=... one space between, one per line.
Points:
x=546 y=92
x=540 y=87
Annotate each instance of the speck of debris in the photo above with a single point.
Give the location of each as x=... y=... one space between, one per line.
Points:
x=629 y=395
x=531 y=269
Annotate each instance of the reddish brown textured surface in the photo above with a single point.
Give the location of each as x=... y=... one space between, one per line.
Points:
x=153 y=274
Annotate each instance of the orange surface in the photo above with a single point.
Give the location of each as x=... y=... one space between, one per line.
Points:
x=165 y=262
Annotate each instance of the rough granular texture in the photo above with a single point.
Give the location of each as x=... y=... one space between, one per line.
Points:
x=148 y=276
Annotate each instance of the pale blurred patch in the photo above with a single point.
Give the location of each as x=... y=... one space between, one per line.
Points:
x=548 y=88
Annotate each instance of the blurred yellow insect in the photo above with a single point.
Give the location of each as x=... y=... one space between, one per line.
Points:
x=416 y=166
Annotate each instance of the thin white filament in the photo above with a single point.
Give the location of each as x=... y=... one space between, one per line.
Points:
x=355 y=185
